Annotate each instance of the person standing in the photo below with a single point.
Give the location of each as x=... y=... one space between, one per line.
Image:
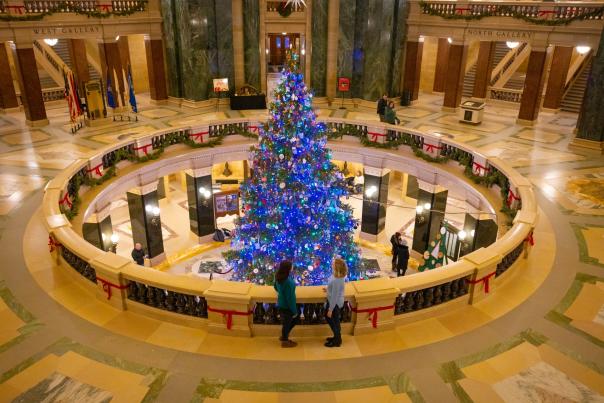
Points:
x=381 y=106
x=335 y=302
x=390 y=115
x=394 y=240
x=138 y=254
x=286 y=302
x=403 y=257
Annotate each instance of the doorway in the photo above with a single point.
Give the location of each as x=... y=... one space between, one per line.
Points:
x=277 y=46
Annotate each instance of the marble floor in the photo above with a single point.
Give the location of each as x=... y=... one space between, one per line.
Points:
x=539 y=338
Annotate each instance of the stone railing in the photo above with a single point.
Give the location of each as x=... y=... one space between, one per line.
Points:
x=246 y=309
x=70 y=6
x=273 y=7
x=505 y=94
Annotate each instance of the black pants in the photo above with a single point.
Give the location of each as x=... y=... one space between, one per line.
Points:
x=334 y=323
x=287 y=322
x=401 y=268
x=394 y=259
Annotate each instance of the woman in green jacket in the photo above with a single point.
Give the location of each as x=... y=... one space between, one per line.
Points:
x=390 y=114
x=286 y=302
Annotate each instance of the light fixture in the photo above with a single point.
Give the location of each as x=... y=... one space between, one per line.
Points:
x=303 y=51
x=51 y=41
x=296 y=3
x=148 y=208
x=427 y=206
x=462 y=235
x=371 y=190
x=283 y=33
x=117 y=38
x=115 y=238
x=512 y=45
x=419 y=209
x=205 y=192
x=421 y=38
x=266 y=51
x=472 y=233
x=227 y=171
x=450 y=40
x=583 y=49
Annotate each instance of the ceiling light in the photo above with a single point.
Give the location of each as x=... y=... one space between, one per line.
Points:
x=512 y=45
x=54 y=41
x=371 y=191
x=450 y=40
x=583 y=49
x=461 y=235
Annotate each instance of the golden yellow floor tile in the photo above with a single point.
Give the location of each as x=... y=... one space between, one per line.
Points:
x=423 y=332
x=98 y=312
x=480 y=391
x=25 y=137
x=375 y=394
x=380 y=342
x=123 y=134
x=133 y=325
x=10 y=324
x=243 y=396
x=515 y=360
x=400 y=398
x=72 y=296
x=487 y=126
x=463 y=320
x=314 y=349
x=587 y=304
x=30 y=376
x=483 y=372
x=589 y=327
x=51 y=278
x=177 y=337
x=594 y=238
x=306 y=397
x=539 y=136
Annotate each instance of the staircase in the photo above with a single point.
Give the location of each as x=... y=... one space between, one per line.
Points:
x=468 y=84
x=516 y=82
x=62 y=50
x=573 y=98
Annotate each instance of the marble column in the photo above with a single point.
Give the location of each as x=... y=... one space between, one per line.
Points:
x=143 y=206
x=533 y=87
x=456 y=67
x=480 y=232
x=238 y=50
x=97 y=229
x=29 y=82
x=484 y=68
x=201 y=203
x=251 y=42
x=154 y=49
x=8 y=96
x=429 y=215
x=442 y=59
x=111 y=66
x=334 y=33
x=318 y=47
x=79 y=62
x=124 y=48
x=413 y=67
x=590 y=126
x=556 y=81
x=375 y=197
x=172 y=44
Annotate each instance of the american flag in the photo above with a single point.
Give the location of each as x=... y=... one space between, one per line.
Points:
x=71 y=96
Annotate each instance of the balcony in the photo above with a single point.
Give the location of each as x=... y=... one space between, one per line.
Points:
x=30 y=9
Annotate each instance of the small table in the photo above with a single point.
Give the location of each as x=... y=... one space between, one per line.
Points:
x=239 y=102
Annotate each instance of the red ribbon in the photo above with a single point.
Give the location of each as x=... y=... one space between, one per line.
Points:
x=105 y=7
x=96 y=169
x=52 y=244
x=144 y=148
x=544 y=12
x=18 y=8
x=431 y=147
x=253 y=129
x=66 y=200
x=107 y=286
x=375 y=135
x=484 y=280
x=530 y=239
x=228 y=314
x=479 y=167
x=512 y=197
x=460 y=10
x=373 y=313
x=198 y=136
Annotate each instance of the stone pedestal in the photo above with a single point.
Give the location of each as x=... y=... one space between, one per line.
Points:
x=374 y=310
x=229 y=308
x=201 y=203
x=143 y=206
x=482 y=281
x=95 y=168
x=377 y=134
x=112 y=287
x=375 y=197
x=200 y=134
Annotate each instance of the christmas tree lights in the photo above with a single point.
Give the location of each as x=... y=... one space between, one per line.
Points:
x=292 y=206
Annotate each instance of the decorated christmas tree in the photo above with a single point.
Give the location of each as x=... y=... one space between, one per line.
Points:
x=292 y=206
x=436 y=255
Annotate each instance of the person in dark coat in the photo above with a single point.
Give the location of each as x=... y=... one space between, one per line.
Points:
x=381 y=106
x=138 y=254
x=394 y=240
x=403 y=258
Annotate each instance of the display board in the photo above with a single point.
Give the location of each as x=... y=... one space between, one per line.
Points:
x=221 y=84
x=226 y=203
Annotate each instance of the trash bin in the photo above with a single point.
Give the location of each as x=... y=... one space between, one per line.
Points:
x=406 y=98
x=471 y=112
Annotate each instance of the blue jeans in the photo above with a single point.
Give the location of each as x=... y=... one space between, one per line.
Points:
x=288 y=322
x=334 y=323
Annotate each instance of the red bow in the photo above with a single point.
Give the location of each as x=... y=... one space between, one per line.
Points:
x=530 y=239
x=107 y=285
x=144 y=148
x=484 y=280
x=228 y=314
x=96 y=169
x=544 y=12
x=52 y=244
x=65 y=200
x=479 y=168
x=512 y=197
x=460 y=10
x=373 y=313
x=18 y=8
x=375 y=135
x=105 y=7
x=253 y=129
x=431 y=147
x=198 y=136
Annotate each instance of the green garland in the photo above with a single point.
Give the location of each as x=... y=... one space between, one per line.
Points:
x=284 y=9
x=510 y=11
x=75 y=10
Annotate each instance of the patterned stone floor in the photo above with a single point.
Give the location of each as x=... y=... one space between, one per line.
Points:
x=542 y=339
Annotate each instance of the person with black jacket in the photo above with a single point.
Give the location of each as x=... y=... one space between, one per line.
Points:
x=138 y=254
x=403 y=258
x=394 y=240
x=381 y=106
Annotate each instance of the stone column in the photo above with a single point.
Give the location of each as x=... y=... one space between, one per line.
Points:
x=429 y=215
x=79 y=62
x=413 y=67
x=201 y=203
x=375 y=197
x=143 y=206
x=456 y=68
x=442 y=59
x=533 y=87
x=333 y=29
x=29 y=82
x=480 y=231
x=8 y=96
x=484 y=68
x=124 y=48
x=154 y=49
x=111 y=65
x=374 y=310
x=557 y=77
x=229 y=308
x=97 y=229
x=238 y=51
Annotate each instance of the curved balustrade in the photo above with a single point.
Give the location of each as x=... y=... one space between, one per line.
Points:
x=69 y=6
x=244 y=305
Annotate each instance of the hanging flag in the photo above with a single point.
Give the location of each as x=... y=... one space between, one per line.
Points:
x=131 y=91
x=110 y=97
x=76 y=97
x=70 y=96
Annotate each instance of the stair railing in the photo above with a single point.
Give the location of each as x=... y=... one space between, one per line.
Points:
x=511 y=65
x=51 y=62
x=505 y=63
x=576 y=70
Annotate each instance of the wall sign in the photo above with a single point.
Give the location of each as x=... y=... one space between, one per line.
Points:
x=500 y=35
x=86 y=29
x=343 y=84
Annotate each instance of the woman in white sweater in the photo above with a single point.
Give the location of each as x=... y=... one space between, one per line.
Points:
x=335 y=302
